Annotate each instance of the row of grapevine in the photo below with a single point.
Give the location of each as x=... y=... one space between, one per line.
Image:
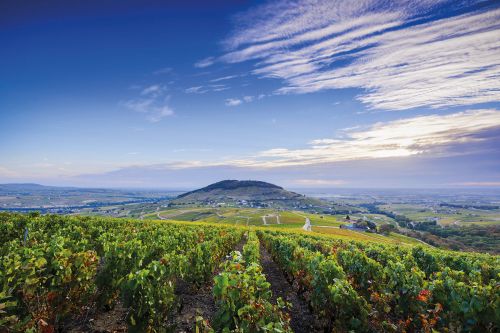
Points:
x=322 y=281
x=440 y=289
x=150 y=292
x=53 y=267
x=244 y=295
x=391 y=288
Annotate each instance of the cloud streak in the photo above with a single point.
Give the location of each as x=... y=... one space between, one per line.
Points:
x=233 y=102
x=434 y=150
x=154 y=103
x=431 y=135
x=206 y=62
x=393 y=52
x=400 y=138
x=206 y=89
x=244 y=99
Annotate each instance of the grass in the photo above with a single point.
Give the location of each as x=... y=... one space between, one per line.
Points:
x=405 y=239
x=353 y=235
x=393 y=238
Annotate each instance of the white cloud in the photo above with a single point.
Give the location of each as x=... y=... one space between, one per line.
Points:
x=233 y=102
x=195 y=90
x=139 y=105
x=205 y=89
x=477 y=184
x=153 y=90
x=224 y=78
x=164 y=70
x=398 y=138
x=205 y=62
x=154 y=103
x=322 y=141
x=159 y=113
x=218 y=87
x=319 y=182
x=381 y=47
x=238 y=101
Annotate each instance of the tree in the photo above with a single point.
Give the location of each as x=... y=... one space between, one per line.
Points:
x=386 y=228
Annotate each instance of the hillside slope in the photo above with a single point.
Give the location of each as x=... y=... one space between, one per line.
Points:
x=229 y=191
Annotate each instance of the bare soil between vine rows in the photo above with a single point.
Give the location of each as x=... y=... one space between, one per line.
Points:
x=302 y=319
x=112 y=321
x=192 y=302
x=197 y=302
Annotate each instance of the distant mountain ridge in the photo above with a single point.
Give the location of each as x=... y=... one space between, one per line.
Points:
x=24 y=185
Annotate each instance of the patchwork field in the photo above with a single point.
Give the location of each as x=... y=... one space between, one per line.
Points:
x=245 y=216
x=445 y=215
x=321 y=224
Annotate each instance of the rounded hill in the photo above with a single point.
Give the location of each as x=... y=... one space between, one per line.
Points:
x=230 y=191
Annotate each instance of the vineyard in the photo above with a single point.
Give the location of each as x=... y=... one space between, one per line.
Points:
x=59 y=273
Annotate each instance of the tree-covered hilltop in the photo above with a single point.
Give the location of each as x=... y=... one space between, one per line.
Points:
x=233 y=185
x=247 y=192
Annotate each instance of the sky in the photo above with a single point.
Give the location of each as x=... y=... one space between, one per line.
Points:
x=303 y=93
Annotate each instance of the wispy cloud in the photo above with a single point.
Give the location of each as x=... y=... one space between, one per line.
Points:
x=205 y=89
x=199 y=150
x=318 y=182
x=154 y=90
x=233 y=102
x=205 y=62
x=218 y=87
x=477 y=184
x=432 y=135
x=399 y=57
x=164 y=70
x=154 y=103
x=400 y=138
x=244 y=99
x=195 y=90
x=224 y=78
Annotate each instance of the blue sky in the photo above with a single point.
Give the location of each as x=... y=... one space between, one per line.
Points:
x=302 y=93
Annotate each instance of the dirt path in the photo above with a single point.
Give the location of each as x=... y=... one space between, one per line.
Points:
x=302 y=320
x=307 y=225
x=112 y=321
x=264 y=218
x=197 y=302
x=244 y=217
x=193 y=302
